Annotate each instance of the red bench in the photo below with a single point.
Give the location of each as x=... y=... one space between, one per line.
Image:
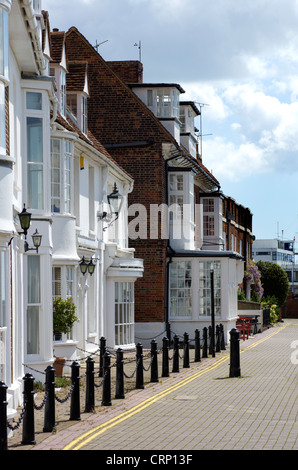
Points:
x=243 y=324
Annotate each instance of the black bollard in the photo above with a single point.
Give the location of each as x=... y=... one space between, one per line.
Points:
x=49 y=411
x=89 y=398
x=205 y=341
x=28 y=418
x=222 y=338
x=102 y=350
x=3 y=416
x=211 y=340
x=176 y=354
x=218 y=335
x=234 y=353
x=119 y=375
x=186 y=350
x=106 y=391
x=165 y=357
x=140 y=369
x=75 y=414
x=154 y=365
x=197 y=346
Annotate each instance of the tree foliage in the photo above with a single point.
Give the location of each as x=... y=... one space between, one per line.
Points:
x=63 y=314
x=275 y=281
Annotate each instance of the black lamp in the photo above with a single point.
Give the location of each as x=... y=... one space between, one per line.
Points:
x=36 y=238
x=25 y=220
x=114 y=200
x=91 y=267
x=83 y=266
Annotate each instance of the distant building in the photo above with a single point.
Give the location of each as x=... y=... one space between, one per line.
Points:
x=281 y=252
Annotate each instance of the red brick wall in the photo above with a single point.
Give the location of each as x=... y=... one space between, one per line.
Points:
x=130 y=71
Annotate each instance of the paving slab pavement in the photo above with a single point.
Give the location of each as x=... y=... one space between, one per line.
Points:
x=200 y=407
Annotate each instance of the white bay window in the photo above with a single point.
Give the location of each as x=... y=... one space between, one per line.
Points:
x=124 y=313
x=181 y=289
x=33 y=305
x=61 y=175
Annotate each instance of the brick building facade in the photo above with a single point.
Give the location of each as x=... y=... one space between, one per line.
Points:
x=146 y=146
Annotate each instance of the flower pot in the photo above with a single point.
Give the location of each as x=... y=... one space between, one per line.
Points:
x=59 y=366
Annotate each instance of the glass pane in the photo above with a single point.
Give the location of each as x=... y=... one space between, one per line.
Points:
x=33 y=279
x=34 y=140
x=33 y=330
x=33 y=100
x=35 y=163
x=35 y=186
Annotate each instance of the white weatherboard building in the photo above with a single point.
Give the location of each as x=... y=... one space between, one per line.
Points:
x=50 y=164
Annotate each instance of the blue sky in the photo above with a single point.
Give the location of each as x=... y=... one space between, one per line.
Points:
x=240 y=59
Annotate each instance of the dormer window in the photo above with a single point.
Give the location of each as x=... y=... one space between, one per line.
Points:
x=77 y=94
x=167 y=102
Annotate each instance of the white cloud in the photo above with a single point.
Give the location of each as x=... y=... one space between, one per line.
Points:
x=231 y=163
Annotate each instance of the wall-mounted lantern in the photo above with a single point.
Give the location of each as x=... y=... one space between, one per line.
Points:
x=115 y=201
x=36 y=238
x=86 y=266
x=25 y=222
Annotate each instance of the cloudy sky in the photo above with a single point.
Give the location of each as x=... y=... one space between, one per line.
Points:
x=240 y=60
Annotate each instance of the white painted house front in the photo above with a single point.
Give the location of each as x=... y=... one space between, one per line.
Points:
x=50 y=163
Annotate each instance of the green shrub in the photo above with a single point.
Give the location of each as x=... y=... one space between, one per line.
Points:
x=63 y=314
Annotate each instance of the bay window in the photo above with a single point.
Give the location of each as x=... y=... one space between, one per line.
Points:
x=205 y=287
x=167 y=102
x=35 y=149
x=33 y=304
x=176 y=195
x=63 y=286
x=208 y=218
x=35 y=162
x=181 y=289
x=124 y=313
x=61 y=175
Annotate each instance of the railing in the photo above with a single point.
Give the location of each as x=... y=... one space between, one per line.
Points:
x=210 y=343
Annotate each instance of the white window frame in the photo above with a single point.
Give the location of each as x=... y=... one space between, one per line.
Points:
x=84 y=114
x=33 y=323
x=205 y=268
x=176 y=195
x=62 y=92
x=124 y=313
x=167 y=101
x=62 y=176
x=35 y=201
x=181 y=273
x=63 y=285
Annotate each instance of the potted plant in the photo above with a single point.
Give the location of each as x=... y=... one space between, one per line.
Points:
x=64 y=318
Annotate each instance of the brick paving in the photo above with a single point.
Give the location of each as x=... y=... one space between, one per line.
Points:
x=198 y=408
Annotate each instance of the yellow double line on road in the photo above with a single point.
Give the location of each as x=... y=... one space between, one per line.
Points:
x=87 y=437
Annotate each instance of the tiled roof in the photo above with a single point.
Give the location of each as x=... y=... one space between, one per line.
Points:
x=57 y=43
x=116 y=115
x=75 y=78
